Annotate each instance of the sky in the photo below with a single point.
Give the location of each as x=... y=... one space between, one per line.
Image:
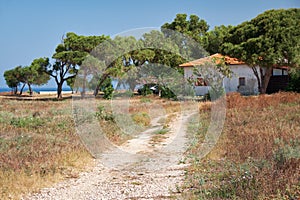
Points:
x=33 y=28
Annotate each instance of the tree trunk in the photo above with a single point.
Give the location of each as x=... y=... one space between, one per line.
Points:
x=21 y=91
x=59 y=90
x=16 y=90
x=265 y=78
x=84 y=84
x=96 y=92
x=99 y=84
x=30 y=89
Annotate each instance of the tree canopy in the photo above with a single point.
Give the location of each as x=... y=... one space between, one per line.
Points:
x=28 y=75
x=68 y=56
x=193 y=27
x=12 y=78
x=269 y=40
x=212 y=40
x=272 y=39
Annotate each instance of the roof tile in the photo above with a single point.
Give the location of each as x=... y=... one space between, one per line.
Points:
x=217 y=57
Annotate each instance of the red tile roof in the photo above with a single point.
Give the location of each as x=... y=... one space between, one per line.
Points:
x=218 y=57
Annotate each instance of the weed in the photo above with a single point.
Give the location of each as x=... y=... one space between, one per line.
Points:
x=161 y=131
x=136 y=183
x=27 y=122
x=145 y=100
x=102 y=114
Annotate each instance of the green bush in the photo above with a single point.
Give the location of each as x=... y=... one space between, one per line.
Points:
x=102 y=114
x=108 y=92
x=107 y=88
x=294 y=82
x=145 y=90
x=27 y=122
x=167 y=93
x=285 y=152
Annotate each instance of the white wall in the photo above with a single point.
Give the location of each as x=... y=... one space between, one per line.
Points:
x=199 y=90
x=232 y=84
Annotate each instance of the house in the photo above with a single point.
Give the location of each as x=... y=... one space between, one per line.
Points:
x=279 y=80
x=243 y=79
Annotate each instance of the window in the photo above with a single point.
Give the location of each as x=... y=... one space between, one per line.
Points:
x=277 y=72
x=242 y=81
x=200 y=82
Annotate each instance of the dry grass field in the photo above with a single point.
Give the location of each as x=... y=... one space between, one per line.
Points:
x=39 y=145
x=257 y=155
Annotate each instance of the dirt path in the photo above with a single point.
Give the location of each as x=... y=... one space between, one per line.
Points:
x=139 y=169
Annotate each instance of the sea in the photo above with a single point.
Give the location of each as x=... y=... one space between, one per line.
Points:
x=37 y=89
x=65 y=88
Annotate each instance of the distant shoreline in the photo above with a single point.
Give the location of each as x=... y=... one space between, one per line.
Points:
x=36 y=90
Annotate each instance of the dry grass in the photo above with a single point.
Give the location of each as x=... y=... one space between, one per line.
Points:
x=38 y=146
x=257 y=156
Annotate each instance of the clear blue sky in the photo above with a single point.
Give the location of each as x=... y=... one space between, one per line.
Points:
x=32 y=28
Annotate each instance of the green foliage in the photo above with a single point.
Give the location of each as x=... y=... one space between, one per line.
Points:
x=162 y=131
x=145 y=100
x=187 y=34
x=294 y=82
x=102 y=114
x=107 y=88
x=213 y=40
x=28 y=75
x=38 y=75
x=167 y=93
x=126 y=93
x=145 y=90
x=108 y=92
x=12 y=78
x=69 y=56
x=270 y=39
x=27 y=122
x=285 y=152
x=193 y=27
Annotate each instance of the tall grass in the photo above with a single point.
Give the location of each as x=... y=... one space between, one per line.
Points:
x=38 y=146
x=258 y=154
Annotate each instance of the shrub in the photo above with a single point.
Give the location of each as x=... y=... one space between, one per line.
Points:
x=145 y=100
x=294 y=82
x=167 y=93
x=27 y=122
x=108 y=92
x=142 y=118
x=104 y=115
x=107 y=88
x=145 y=90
